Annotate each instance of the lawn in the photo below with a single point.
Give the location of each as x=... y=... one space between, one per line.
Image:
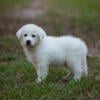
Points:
x=17 y=78
x=74 y=16
x=7 y=4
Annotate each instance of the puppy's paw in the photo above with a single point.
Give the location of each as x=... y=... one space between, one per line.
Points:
x=38 y=80
x=77 y=78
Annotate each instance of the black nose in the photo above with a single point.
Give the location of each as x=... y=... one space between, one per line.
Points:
x=28 y=42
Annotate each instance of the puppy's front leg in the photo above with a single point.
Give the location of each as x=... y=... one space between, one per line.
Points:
x=42 y=72
x=38 y=71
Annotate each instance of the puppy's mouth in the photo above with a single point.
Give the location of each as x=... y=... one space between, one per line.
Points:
x=28 y=44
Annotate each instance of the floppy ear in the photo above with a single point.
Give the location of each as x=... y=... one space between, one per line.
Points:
x=19 y=33
x=42 y=33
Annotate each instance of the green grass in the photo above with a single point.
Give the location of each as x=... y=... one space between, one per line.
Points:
x=17 y=78
x=83 y=5
x=5 y=4
x=75 y=16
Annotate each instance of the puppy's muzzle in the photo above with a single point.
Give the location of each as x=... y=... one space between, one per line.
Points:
x=28 y=42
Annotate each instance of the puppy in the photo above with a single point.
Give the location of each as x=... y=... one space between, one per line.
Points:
x=42 y=50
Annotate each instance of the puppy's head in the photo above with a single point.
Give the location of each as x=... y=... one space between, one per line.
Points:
x=30 y=35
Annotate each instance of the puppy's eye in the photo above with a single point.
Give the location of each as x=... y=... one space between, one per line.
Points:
x=33 y=35
x=25 y=35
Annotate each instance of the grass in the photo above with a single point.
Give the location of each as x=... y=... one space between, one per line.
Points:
x=5 y=5
x=17 y=78
x=83 y=5
x=81 y=16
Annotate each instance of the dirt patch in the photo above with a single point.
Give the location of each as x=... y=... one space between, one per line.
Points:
x=11 y=20
x=34 y=9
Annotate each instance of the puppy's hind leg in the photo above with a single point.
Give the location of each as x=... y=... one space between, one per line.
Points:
x=75 y=65
x=77 y=70
x=84 y=66
x=69 y=74
x=68 y=77
x=77 y=74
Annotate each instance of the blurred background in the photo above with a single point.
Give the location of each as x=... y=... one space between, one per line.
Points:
x=57 y=17
x=79 y=18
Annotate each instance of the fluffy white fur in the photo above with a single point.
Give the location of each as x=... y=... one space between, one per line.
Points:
x=42 y=50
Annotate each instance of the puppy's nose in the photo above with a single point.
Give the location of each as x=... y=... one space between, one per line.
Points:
x=28 y=42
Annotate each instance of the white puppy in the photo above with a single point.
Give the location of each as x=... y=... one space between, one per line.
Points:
x=42 y=50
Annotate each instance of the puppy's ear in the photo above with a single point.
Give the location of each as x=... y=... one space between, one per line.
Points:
x=42 y=34
x=19 y=34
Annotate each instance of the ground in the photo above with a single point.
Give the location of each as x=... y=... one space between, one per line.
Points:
x=17 y=76
x=32 y=10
